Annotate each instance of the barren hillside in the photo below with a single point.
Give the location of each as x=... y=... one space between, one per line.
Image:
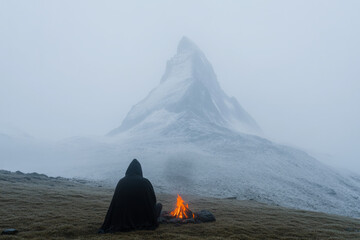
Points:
x=55 y=208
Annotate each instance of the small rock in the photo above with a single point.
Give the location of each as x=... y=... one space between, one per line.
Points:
x=9 y=231
x=205 y=216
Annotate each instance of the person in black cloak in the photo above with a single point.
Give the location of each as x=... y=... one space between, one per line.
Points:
x=133 y=206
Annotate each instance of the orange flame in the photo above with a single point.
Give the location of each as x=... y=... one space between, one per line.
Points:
x=182 y=210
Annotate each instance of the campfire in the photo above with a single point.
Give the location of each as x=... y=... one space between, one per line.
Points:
x=182 y=210
x=182 y=214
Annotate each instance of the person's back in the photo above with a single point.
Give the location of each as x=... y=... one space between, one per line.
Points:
x=133 y=205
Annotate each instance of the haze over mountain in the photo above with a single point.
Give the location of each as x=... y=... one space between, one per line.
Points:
x=192 y=138
x=80 y=74
x=190 y=90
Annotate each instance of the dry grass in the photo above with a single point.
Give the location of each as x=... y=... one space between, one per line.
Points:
x=43 y=208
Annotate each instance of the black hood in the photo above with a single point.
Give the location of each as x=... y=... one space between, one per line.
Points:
x=133 y=204
x=134 y=169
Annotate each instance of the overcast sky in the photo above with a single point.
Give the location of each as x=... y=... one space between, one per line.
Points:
x=70 y=68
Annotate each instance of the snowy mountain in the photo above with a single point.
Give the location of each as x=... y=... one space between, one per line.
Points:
x=191 y=137
x=189 y=89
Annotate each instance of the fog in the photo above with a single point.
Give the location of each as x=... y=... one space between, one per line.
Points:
x=74 y=68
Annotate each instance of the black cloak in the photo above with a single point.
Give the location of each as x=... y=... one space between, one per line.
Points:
x=133 y=204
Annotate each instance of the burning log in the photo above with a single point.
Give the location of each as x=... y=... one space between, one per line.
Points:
x=182 y=214
x=182 y=211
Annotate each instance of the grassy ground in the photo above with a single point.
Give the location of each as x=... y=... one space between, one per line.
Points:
x=50 y=208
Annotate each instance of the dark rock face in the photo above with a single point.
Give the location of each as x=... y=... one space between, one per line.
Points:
x=200 y=217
